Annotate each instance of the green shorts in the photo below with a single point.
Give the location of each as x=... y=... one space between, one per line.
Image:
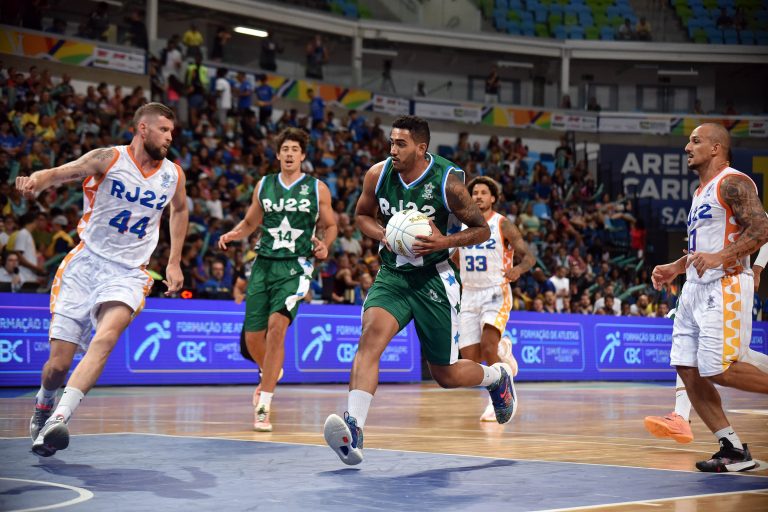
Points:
x=431 y=297
x=275 y=286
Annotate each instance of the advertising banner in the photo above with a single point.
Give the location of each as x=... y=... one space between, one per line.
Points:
x=391 y=105
x=176 y=341
x=662 y=176
x=448 y=111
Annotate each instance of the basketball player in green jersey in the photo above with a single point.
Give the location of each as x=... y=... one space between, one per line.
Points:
x=425 y=288
x=288 y=208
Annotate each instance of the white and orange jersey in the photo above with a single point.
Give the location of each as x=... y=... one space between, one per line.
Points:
x=122 y=209
x=712 y=227
x=483 y=265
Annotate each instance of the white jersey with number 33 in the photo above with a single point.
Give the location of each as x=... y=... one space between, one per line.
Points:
x=712 y=227
x=122 y=209
x=483 y=265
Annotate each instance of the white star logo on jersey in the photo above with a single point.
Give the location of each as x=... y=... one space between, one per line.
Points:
x=285 y=236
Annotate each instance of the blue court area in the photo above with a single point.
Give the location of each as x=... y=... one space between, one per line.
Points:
x=140 y=472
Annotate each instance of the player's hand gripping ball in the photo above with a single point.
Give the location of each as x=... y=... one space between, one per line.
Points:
x=403 y=228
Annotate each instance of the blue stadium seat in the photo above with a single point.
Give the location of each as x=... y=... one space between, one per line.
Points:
x=528 y=31
x=560 y=32
x=586 y=20
x=761 y=38
x=526 y=16
x=747 y=37
x=576 y=32
x=570 y=9
x=730 y=36
x=501 y=4
x=540 y=15
x=513 y=28
x=714 y=36
x=500 y=22
x=556 y=9
x=607 y=34
x=516 y=5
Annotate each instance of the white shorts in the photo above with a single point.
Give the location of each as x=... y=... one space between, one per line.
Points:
x=713 y=324
x=480 y=307
x=83 y=282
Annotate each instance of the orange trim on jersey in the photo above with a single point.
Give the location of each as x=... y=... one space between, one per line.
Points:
x=145 y=174
x=90 y=192
x=502 y=317
x=56 y=286
x=731 y=288
x=147 y=289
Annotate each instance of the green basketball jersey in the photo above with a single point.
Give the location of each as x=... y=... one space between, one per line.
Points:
x=290 y=215
x=426 y=194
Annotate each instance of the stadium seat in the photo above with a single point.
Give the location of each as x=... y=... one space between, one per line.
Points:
x=560 y=32
x=541 y=30
x=747 y=37
x=540 y=15
x=730 y=36
x=714 y=36
x=607 y=34
x=586 y=20
x=592 y=33
x=576 y=32
x=513 y=28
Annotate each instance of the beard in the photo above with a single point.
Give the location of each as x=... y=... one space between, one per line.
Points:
x=155 y=152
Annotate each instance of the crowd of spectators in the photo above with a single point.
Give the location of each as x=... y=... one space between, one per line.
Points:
x=589 y=246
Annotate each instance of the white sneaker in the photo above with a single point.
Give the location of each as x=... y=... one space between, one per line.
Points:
x=505 y=354
x=261 y=421
x=489 y=414
x=345 y=438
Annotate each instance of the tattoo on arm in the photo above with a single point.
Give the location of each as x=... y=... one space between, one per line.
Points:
x=741 y=196
x=467 y=212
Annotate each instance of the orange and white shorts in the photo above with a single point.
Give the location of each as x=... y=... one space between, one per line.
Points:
x=83 y=282
x=480 y=307
x=713 y=324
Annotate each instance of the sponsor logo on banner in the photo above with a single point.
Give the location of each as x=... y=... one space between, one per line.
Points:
x=328 y=343
x=631 y=347
x=9 y=351
x=547 y=346
x=758 y=343
x=391 y=105
x=447 y=111
x=119 y=60
x=574 y=122
x=618 y=124
x=175 y=340
x=758 y=128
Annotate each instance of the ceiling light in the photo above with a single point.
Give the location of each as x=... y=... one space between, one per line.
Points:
x=251 y=32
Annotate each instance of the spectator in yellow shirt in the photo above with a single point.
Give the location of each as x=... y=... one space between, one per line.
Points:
x=193 y=40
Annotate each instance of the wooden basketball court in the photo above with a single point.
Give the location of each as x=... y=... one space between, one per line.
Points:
x=593 y=423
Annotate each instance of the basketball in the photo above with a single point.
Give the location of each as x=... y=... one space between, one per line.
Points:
x=403 y=228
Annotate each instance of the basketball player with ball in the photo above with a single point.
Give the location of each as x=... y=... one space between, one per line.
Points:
x=416 y=281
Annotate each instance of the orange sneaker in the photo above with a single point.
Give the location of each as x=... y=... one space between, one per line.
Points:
x=261 y=421
x=670 y=426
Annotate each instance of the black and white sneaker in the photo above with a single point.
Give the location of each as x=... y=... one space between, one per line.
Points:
x=54 y=436
x=728 y=459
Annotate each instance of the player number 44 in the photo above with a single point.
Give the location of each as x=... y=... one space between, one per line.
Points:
x=122 y=220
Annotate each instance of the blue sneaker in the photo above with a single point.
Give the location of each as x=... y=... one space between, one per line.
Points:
x=503 y=394
x=345 y=438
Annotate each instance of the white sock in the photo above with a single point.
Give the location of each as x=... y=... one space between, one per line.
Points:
x=68 y=403
x=46 y=396
x=358 y=403
x=492 y=375
x=682 y=402
x=265 y=399
x=757 y=359
x=730 y=435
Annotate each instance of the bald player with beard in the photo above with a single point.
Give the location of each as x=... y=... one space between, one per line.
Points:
x=102 y=282
x=713 y=323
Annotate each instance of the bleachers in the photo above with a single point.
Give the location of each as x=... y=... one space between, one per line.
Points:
x=561 y=19
x=700 y=18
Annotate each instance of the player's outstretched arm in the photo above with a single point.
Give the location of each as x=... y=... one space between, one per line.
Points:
x=326 y=226
x=248 y=225
x=368 y=207
x=523 y=255
x=93 y=163
x=174 y=279
x=740 y=195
